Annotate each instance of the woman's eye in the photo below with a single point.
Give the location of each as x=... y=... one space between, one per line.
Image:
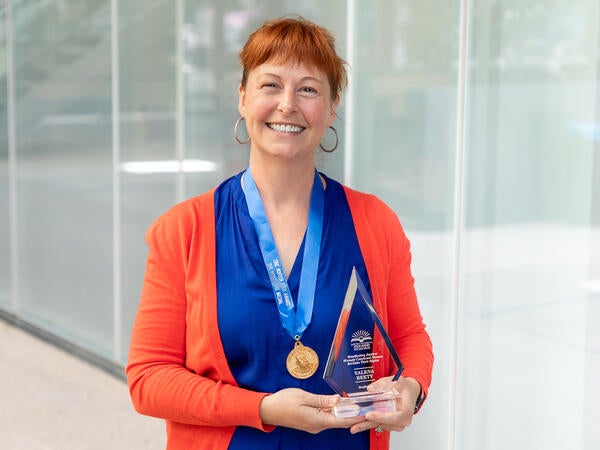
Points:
x=308 y=90
x=269 y=85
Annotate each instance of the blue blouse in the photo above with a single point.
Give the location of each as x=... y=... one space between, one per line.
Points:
x=255 y=342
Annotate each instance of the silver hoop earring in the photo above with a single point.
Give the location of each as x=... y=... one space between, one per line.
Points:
x=337 y=141
x=235 y=132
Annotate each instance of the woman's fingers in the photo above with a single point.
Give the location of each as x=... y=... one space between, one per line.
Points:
x=295 y=408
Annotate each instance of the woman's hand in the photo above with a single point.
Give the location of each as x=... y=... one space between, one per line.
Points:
x=408 y=391
x=295 y=408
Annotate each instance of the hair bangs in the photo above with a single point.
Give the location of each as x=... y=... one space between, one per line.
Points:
x=297 y=41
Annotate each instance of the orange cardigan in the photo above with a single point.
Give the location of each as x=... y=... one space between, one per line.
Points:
x=177 y=368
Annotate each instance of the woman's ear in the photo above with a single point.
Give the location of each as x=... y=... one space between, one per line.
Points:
x=241 y=100
x=334 y=105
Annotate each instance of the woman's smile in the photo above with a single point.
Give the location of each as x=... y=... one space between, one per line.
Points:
x=285 y=128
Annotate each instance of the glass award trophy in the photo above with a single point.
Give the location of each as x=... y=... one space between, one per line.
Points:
x=352 y=359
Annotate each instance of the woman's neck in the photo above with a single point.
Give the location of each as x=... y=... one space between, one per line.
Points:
x=285 y=191
x=283 y=183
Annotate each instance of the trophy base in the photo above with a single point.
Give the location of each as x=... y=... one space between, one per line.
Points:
x=360 y=404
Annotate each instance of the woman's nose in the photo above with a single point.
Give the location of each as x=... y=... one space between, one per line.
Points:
x=287 y=101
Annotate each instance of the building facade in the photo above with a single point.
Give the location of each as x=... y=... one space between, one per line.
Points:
x=476 y=121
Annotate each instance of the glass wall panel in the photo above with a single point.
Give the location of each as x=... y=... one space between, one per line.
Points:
x=526 y=340
x=213 y=34
x=64 y=168
x=147 y=113
x=4 y=175
x=404 y=146
x=529 y=271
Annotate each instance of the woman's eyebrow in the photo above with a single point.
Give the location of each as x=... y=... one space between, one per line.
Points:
x=307 y=78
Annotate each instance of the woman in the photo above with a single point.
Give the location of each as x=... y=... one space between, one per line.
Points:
x=211 y=349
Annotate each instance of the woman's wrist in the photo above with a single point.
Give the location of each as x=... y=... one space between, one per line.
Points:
x=415 y=391
x=264 y=410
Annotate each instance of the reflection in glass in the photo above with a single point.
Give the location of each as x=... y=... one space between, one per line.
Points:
x=147 y=146
x=63 y=135
x=527 y=247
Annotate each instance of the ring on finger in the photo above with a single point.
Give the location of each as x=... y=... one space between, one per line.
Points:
x=379 y=429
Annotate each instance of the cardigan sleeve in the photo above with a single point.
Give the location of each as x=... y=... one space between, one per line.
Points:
x=386 y=251
x=405 y=322
x=161 y=384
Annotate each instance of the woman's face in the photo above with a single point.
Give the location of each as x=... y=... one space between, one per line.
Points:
x=287 y=108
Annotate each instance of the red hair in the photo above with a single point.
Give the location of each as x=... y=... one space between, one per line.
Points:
x=295 y=40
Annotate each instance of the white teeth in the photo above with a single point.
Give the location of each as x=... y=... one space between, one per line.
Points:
x=285 y=128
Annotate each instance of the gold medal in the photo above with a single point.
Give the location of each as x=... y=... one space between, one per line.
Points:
x=302 y=362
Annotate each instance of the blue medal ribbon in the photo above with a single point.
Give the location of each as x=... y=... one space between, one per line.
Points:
x=294 y=319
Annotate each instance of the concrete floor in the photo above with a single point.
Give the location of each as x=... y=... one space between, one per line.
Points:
x=51 y=400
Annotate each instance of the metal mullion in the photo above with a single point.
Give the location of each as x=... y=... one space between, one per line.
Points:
x=349 y=109
x=459 y=162
x=116 y=180
x=180 y=102
x=12 y=161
